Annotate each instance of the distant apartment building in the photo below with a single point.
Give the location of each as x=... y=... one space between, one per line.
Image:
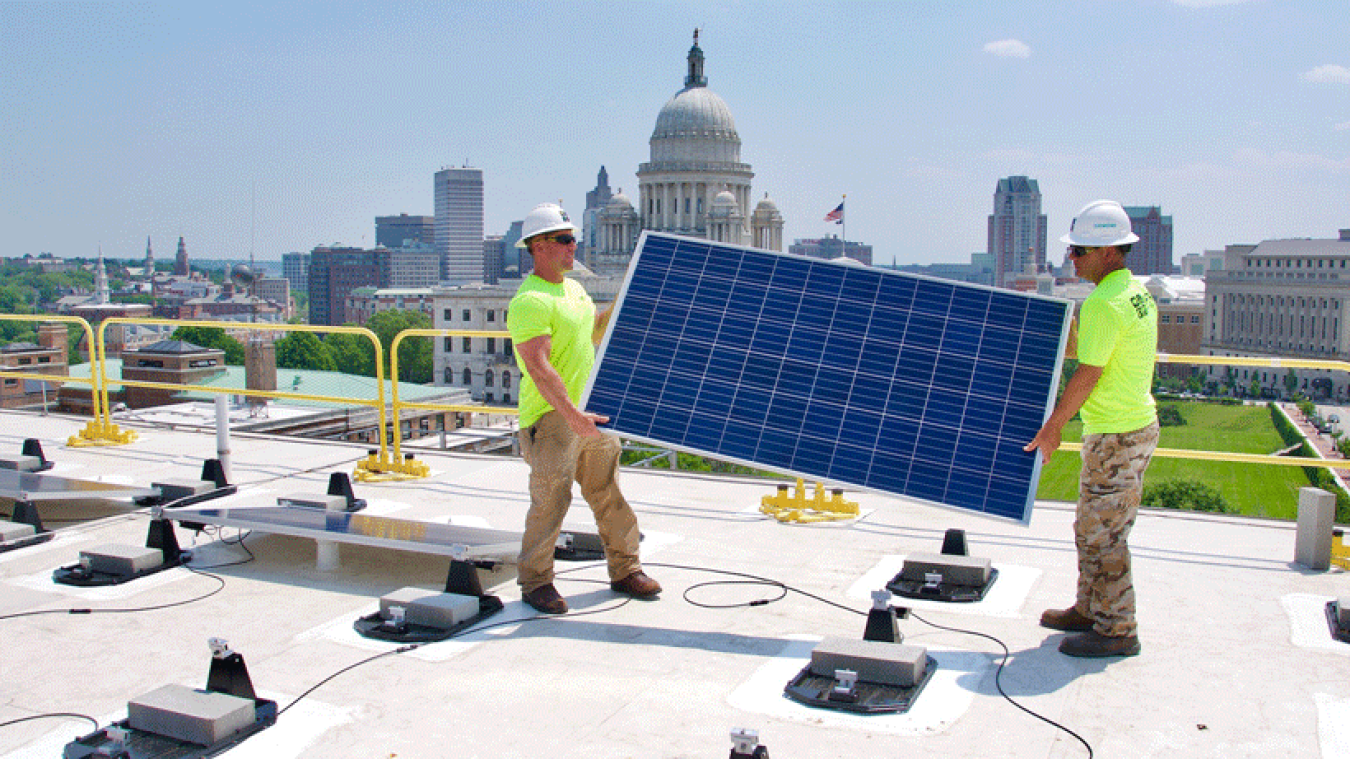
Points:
x=410 y=267
x=364 y=302
x=404 y=231
x=1017 y=229
x=494 y=259
x=1200 y=264
x=48 y=356
x=979 y=271
x=277 y=292
x=1153 y=253
x=295 y=268
x=167 y=362
x=1181 y=319
x=516 y=262
x=45 y=262
x=333 y=274
x=1282 y=298
x=832 y=247
x=486 y=366
x=459 y=224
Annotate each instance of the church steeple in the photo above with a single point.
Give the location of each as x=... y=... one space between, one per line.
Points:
x=695 y=77
x=101 y=294
x=149 y=259
x=180 y=261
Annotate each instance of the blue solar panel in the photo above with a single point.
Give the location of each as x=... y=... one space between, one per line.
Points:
x=848 y=374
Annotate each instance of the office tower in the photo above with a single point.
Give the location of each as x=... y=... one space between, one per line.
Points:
x=397 y=231
x=494 y=259
x=1017 y=229
x=459 y=224
x=1153 y=253
x=596 y=200
x=295 y=268
x=333 y=274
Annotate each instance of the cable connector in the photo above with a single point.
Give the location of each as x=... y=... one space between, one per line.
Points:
x=220 y=648
x=745 y=744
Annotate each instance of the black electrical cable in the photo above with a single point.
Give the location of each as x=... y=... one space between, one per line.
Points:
x=50 y=715
x=750 y=579
x=461 y=633
x=998 y=678
x=129 y=610
x=218 y=534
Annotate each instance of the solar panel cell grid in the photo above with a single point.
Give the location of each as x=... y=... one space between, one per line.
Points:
x=851 y=375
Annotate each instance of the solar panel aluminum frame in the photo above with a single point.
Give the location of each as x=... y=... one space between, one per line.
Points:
x=1053 y=339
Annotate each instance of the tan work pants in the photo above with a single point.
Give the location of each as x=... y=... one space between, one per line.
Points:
x=558 y=457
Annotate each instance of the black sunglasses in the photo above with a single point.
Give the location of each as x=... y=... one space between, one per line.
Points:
x=1078 y=251
x=562 y=239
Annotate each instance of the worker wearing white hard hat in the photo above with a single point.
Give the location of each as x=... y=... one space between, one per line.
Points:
x=1116 y=345
x=542 y=219
x=554 y=326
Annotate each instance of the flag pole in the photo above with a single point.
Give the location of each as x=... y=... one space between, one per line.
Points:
x=843 y=223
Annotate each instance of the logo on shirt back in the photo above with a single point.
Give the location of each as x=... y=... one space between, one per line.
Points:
x=1141 y=304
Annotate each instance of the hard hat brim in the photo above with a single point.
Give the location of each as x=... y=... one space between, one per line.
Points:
x=1097 y=242
x=524 y=241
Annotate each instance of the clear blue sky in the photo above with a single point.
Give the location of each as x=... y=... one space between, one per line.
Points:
x=120 y=121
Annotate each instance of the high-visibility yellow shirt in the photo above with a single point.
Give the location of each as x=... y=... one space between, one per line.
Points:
x=1118 y=331
x=566 y=314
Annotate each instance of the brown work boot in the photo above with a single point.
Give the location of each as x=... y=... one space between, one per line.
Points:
x=546 y=599
x=1093 y=644
x=1068 y=620
x=637 y=585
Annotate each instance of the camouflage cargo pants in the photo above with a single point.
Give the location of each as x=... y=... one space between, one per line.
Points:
x=1109 y=488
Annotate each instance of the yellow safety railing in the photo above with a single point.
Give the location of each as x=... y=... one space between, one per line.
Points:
x=382 y=460
x=1245 y=458
x=100 y=430
x=1266 y=362
x=407 y=468
x=391 y=464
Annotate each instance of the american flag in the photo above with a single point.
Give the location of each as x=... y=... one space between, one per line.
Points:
x=837 y=215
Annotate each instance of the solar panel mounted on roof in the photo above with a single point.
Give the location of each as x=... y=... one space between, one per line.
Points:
x=853 y=375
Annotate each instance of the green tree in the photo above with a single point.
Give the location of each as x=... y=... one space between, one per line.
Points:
x=1170 y=416
x=213 y=337
x=414 y=353
x=1189 y=495
x=304 y=350
x=1290 y=383
x=352 y=354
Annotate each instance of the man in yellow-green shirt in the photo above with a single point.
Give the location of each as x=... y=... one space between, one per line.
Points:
x=554 y=326
x=1116 y=344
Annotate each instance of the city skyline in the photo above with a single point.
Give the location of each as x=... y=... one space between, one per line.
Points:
x=263 y=130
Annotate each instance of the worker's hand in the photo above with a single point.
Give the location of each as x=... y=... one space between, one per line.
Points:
x=1046 y=441
x=584 y=423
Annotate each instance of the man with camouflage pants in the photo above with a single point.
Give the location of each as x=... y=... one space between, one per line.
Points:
x=1116 y=346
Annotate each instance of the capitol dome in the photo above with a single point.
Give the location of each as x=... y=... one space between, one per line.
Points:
x=693 y=185
x=695 y=112
x=695 y=126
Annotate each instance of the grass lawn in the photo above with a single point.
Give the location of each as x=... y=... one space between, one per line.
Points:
x=1252 y=489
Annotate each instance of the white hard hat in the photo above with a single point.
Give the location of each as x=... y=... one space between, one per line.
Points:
x=543 y=218
x=1099 y=224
